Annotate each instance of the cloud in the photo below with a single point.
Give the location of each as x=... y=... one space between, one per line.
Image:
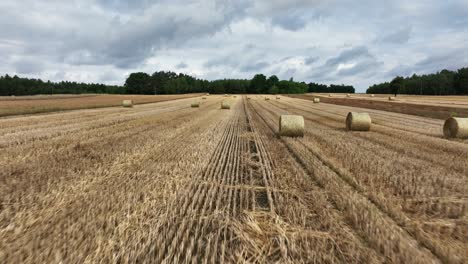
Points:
x=182 y=65
x=400 y=36
x=314 y=40
x=255 y=67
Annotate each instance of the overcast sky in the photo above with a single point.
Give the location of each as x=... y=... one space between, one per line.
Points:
x=334 y=41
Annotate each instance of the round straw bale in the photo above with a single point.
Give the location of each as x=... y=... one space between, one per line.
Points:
x=456 y=127
x=235 y=96
x=207 y=94
x=267 y=98
x=277 y=97
x=391 y=98
x=204 y=98
x=372 y=95
x=248 y=98
x=330 y=95
x=316 y=100
x=127 y=103
x=225 y=105
x=348 y=95
x=291 y=126
x=195 y=104
x=226 y=95
x=358 y=121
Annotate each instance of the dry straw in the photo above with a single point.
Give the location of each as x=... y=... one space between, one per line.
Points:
x=391 y=98
x=225 y=105
x=372 y=95
x=235 y=96
x=127 y=103
x=316 y=100
x=195 y=104
x=348 y=95
x=267 y=98
x=277 y=97
x=456 y=127
x=291 y=126
x=330 y=95
x=204 y=98
x=358 y=121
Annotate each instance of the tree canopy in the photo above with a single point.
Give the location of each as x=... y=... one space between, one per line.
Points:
x=166 y=82
x=444 y=82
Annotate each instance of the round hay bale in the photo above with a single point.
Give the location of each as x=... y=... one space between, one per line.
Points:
x=225 y=105
x=330 y=95
x=291 y=126
x=372 y=95
x=348 y=95
x=204 y=98
x=358 y=121
x=266 y=98
x=226 y=95
x=456 y=127
x=277 y=97
x=248 y=98
x=195 y=104
x=127 y=103
x=391 y=98
x=207 y=94
x=316 y=100
x=235 y=96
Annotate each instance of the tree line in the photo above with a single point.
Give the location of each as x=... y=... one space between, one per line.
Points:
x=169 y=83
x=444 y=82
x=166 y=82
x=24 y=86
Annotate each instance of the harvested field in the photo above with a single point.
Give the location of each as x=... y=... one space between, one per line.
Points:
x=440 y=107
x=167 y=183
x=20 y=105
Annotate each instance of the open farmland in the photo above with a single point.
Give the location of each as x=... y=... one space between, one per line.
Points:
x=427 y=106
x=12 y=105
x=168 y=183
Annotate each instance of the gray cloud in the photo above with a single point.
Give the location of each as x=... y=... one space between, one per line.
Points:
x=314 y=40
x=400 y=36
x=255 y=67
x=182 y=65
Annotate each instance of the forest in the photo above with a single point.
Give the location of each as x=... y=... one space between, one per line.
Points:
x=444 y=82
x=166 y=82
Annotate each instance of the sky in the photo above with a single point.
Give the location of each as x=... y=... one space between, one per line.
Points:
x=335 y=41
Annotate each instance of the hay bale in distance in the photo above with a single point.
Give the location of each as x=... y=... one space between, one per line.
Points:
x=372 y=95
x=391 y=98
x=267 y=98
x=204 y=98
x=316 y=100
x=358 y=121
x=348 y=95
x=330 y=95
x=235 y=96
x=456 y=127
x=277 y=97
x=225 y=105
x=127 y=103
x=291 y=126
x=195 y=104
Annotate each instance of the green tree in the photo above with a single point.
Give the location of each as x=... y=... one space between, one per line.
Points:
x=138 y=83
x=397 y=85
x=258 y=84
